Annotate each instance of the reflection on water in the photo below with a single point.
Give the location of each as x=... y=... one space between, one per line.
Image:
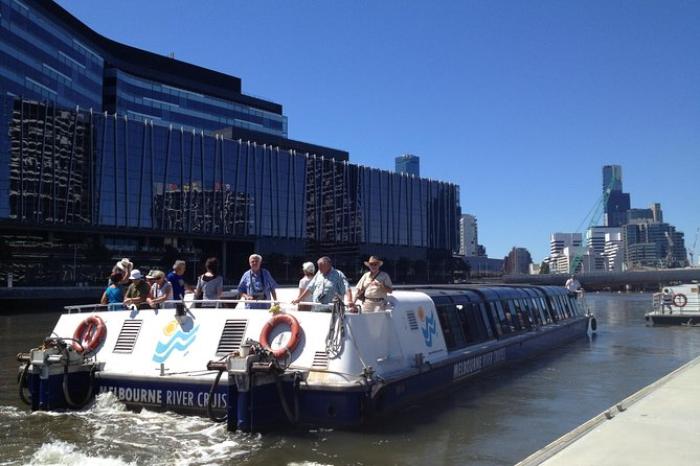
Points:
x=497 y=419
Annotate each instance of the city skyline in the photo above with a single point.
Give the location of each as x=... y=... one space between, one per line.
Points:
x=521 y=105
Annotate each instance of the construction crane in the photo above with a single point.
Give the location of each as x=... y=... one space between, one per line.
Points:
x=691 y=252
x=593 y=218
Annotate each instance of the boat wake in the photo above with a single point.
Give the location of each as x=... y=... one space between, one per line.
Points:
x=109 y=434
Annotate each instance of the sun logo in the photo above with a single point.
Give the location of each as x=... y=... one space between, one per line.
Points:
x=421 y=313
x=170 y=328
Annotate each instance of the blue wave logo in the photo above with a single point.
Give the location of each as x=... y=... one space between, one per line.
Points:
x=179 y=341
x=430 y=329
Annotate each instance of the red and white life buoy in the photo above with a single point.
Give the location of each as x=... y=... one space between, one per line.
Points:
x=680 y=300
x=89 y=335
x=293 y=340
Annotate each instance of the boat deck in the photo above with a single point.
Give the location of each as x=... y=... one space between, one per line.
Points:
x=657 y=425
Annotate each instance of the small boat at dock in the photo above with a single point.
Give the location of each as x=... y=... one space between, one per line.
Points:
x=323 y=367
x=676 y=305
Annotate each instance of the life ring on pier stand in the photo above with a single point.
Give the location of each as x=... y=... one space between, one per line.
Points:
x=680 y=300
x=89 y=335
x=293 y=340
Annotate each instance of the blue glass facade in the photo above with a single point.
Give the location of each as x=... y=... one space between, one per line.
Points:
x=145 y=99
x=109 y=151
x=81 y=168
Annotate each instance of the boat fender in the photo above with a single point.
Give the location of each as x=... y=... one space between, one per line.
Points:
x=89 y=335
x=293 y=340
x=594 y=324
x=680 y=300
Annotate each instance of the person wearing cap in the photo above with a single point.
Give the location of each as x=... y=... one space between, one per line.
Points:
x=373 y=287
x=177 y=279
x=161 y=290
x=257 y=284
x=137 y=292
x=327 y=284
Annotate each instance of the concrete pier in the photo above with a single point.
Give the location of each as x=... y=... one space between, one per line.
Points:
x=657 y=425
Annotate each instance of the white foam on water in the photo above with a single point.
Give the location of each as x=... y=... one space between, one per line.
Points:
x=66 y=454
x=164 y=437
x=12 y=412
x=307 y=463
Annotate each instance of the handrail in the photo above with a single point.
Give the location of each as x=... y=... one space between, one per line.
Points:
x=206 y=304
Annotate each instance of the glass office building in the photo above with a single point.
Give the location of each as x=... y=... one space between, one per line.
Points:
x=117 y=162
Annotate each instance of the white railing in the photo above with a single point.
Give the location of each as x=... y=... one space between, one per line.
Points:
x=204 y=304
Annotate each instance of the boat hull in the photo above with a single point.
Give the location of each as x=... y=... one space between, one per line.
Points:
x=691 y=320
x=261 y=408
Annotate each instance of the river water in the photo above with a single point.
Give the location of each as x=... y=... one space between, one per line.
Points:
x=497 y=419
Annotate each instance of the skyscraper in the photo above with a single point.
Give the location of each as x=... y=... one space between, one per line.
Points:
x=468 y=236
x=618 y=202
x=409 y=164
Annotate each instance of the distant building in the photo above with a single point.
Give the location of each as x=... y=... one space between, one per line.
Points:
x=409 y=164
x=653 y=245
x=468 y=236
x=559 y=241
x=517 y=261
x=482 y=266
x=614 y=251
x=595 y=242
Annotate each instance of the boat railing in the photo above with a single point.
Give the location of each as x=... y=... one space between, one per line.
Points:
x=657 y=302
x=208 y=304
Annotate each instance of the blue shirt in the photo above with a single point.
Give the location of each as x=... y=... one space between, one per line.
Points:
x=178 y=283
x=115 y=298
x=258 y=285
x=326 y=287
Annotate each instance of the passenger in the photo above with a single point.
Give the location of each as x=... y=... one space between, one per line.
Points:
x=327 y=284
x=137 y=292
x=210 y=285
x=177 y=279
x=257 y=284
x=161 y=290
x=124 y=268
x=573 y=286
x=309 y=270
x=113 y=296
x=667 y=300
x=373 y=287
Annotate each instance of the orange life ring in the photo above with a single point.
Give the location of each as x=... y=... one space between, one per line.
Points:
x=89 y=335
x=680 y=300
x=272 y=323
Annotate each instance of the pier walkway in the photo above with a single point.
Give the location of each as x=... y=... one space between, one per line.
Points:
x=657 y=425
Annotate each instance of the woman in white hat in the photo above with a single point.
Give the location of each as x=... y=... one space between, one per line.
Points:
x=373 y=287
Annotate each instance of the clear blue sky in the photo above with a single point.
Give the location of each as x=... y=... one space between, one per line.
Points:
x=520 y=103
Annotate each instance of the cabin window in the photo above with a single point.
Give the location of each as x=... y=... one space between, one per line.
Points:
x=551 y=313
x=485 y=318
x=542 y=315
x=564 y=308
x=502 y=321
x=493 y=318
x=511 y=316
x=529 y=313
x=472 y=323
x=556 y=307
x=521 y=317
x=575 y=306
x=451 y=326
